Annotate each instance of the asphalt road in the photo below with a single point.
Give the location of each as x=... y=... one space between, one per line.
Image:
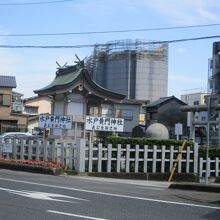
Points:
x=35 y=196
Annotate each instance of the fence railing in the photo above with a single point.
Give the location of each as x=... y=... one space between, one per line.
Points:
x=99 y=158
x=51 y=150
x=212 y=169
x=84 y=157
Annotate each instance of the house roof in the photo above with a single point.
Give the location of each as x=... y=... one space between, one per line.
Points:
x=8 y=81
x=36 y=98
x=17 y=93
x=69 y=78
x=163 y=100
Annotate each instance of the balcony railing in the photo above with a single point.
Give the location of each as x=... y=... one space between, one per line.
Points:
x=17 y=107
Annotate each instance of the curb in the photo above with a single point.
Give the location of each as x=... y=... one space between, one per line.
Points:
x=33 y=169
x=196 y=187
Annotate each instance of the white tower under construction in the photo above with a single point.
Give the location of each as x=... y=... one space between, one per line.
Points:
x=137 y=69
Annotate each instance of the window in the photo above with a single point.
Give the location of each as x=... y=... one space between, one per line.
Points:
x=5 y=99
x=106 y=112
x=31 y=110
x=127 y=114
x=196 y=103
x=203 y=118
x=94 y=111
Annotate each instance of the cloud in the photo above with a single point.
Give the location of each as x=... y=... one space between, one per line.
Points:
x=185 y=79
x=207 y=14
x=187 y=11
x=32 y=70
x=8 y=62
x=178 y=83
x=180 y=50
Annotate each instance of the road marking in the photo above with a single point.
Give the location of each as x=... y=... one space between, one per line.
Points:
x=43 y=195
x=79 y=216
x=112 y=194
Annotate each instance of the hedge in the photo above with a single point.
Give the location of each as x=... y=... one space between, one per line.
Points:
x=213 y=152
x=145 y=141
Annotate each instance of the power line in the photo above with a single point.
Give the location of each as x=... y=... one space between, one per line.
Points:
x=107 y=44
x=34 y=3
x=109 y=31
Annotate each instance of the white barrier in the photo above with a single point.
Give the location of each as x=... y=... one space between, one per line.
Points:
x=212 y=168
x=52 y=150
x=99 y=158
x=84 y=157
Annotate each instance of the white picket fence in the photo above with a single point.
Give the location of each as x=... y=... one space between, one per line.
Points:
x=84 y=157
x=52 y=150
x=213 y=167
x=136 y=159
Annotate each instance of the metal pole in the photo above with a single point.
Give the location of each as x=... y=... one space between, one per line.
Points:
x=178 y=158
x=208 y=141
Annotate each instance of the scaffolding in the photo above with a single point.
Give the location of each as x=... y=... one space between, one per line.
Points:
x=131 y=67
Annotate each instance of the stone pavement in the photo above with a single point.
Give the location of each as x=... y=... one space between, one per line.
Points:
x=210 y=187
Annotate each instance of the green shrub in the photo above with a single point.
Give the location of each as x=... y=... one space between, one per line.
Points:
x=213 y=153
x=145 y=141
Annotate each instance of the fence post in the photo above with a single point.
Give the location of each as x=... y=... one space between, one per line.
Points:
x=38 y=150
x=118 y=158
x=90 y=156
x=196 y=158
x=45 y=150
x=69 y=155
x=200 y=166
x=14 y=148
x=30 y=149
x=109 y=162
x=99 y=158
x=136 y=158
x=53 y=150
x=209 y=162
x=22 y=150
x=1 y=147
x=217 y=166
x=180 y=161
x=154 y=167
x=171 y=157
x=80 y=155
x=63 y=145
x=145 y=158
x=127 y=163
x=163 y=159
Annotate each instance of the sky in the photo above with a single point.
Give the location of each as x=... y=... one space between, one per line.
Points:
x=35 y=68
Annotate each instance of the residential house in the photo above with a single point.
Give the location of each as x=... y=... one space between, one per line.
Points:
x=11 y=117
x=167 y=111
x=33 y=107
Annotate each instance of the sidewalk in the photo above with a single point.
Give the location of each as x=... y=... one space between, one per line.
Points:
x=210 y=187
x=160 y=184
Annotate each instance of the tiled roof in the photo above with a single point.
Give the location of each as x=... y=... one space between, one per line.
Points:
x=163 y=100
x=159 y=101
x=8 y=81
x=69 y=76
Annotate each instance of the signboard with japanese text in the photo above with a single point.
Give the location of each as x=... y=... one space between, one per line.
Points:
x=104 y=124
x=55 y=121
